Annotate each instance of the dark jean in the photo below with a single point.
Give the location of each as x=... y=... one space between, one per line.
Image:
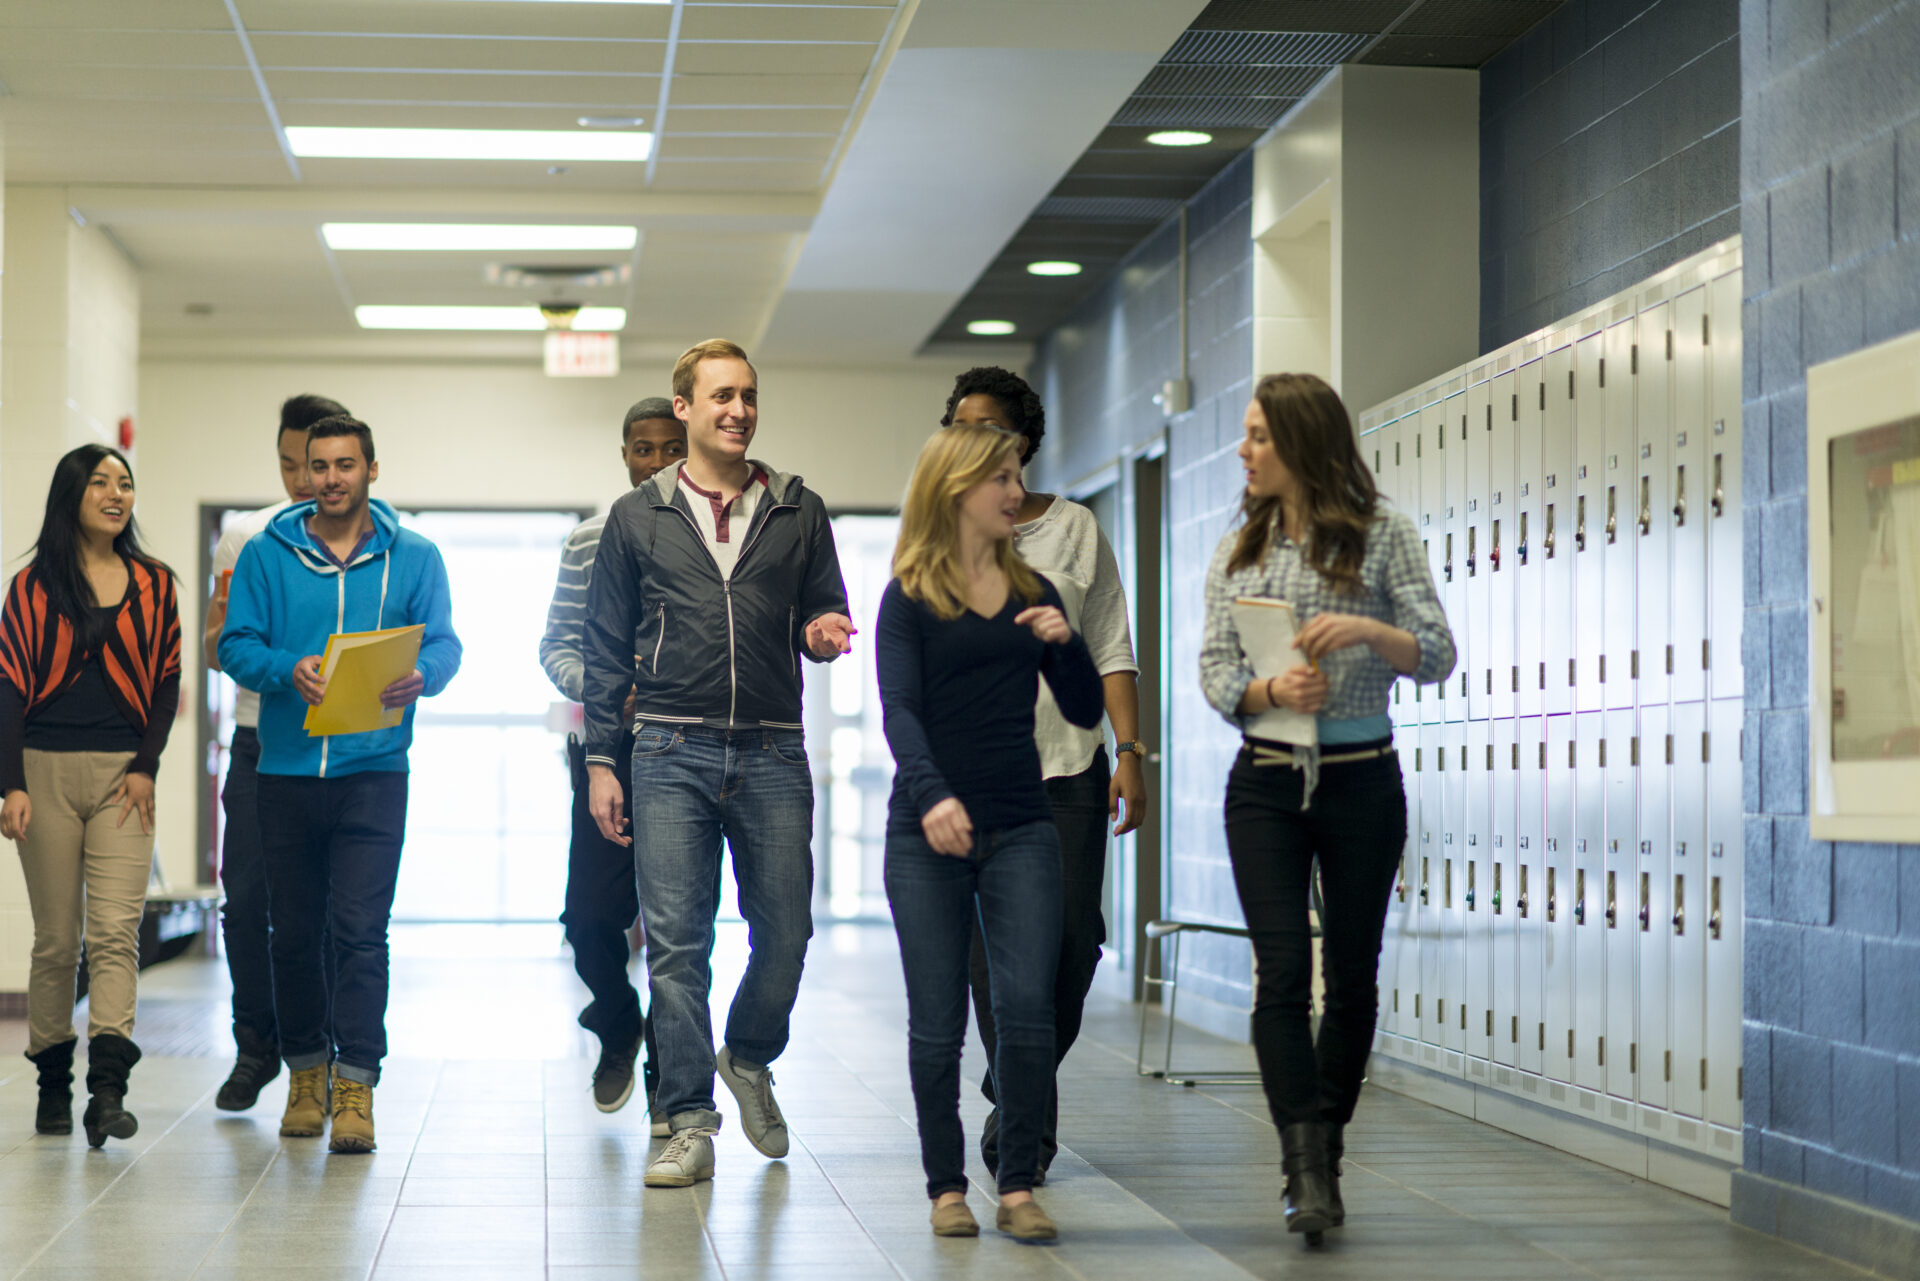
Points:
x=1010 y=884
x=601 y=905
x=243 y=880
x=1356 y=829
x=332 y=852
x=692 y=788
x=1079 y=804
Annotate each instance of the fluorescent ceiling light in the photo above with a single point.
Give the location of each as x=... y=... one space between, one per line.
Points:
x=990 y=328
x=494 y=318
x=489 y=237
x=1180 y=138
x=466 y=144
x=1053 y=269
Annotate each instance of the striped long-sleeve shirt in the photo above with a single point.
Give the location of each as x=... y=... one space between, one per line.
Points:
x=567 y=615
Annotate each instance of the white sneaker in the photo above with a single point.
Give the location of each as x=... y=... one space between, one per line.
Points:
x=685 y=1161
x=759 y=1115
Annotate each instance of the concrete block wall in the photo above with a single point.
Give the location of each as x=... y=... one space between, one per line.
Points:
x=1609 y=149
x=1098 y=373
x=1830 y=190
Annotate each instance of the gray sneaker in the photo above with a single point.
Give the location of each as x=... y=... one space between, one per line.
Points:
x=661 y=1128
x=759 y=1115
x=685 y=1161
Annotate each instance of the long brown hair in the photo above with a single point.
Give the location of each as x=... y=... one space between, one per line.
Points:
x=926 y=559
x=1313 y=436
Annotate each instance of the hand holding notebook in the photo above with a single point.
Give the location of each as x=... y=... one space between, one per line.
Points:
x=1267 y=629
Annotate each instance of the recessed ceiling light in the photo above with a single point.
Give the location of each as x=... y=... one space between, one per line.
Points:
x=1053 y=269
x=325 y=141
x=474 y=237
x=990 y=328
x=494 y=318
x=611 y=122
x=1180 y=138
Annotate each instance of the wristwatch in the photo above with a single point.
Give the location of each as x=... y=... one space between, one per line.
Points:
x=1121 y=749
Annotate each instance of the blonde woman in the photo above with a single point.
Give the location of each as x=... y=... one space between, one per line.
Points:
x=966 y=630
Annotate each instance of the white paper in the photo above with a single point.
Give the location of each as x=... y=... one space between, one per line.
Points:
x=1266 y=629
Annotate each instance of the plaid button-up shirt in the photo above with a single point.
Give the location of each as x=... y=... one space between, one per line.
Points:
x=1398 y=590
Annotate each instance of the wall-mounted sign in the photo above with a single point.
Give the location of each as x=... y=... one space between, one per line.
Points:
x=572 y=354
x=1863 y=551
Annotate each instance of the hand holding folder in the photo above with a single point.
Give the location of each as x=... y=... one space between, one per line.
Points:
x=357 y=668
x=1267 y=629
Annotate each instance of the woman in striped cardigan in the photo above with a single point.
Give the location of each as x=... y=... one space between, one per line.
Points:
x=89 y=683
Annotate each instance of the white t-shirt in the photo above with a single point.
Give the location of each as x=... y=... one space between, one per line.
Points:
x=246 y=703
x=708 y=512
x=1067 y=545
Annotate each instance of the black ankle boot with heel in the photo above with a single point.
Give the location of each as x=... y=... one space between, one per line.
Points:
x=1336 y=1150
x=110 y=1061
x=55 y=1112
x=1309 y=1190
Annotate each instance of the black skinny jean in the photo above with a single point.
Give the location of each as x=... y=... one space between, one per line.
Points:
x=602 y=902
x=1356 y=828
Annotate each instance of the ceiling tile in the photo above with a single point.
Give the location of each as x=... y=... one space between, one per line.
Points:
x=633 y=93
x=90 y=162
x=462 y=17
x=683 y=146
x=723 y=119
x=120 y=48
x=521 y=174
x=54 y=80
x=694 y=175
x=107 y=15
x=450 y=53
x=775 y=90
x=788 y=23
x=743 y=58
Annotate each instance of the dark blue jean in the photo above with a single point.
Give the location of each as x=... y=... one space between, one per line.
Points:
x=601 y=904
x=1010 y=883
x=331 y=847
x=692 y=788
x=243 y=879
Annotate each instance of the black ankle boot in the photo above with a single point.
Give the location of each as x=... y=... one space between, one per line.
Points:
x=1336 y=1149
x=55 y=1113
x=257 y=1063
x=110 y=1061
x=1309 y=1195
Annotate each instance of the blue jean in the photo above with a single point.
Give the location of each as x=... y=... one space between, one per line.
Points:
x=692 y=788
x=1011 y=884
x=331 y=847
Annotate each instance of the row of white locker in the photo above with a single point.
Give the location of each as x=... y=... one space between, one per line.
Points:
x=1580 y=500
x=1569 y=901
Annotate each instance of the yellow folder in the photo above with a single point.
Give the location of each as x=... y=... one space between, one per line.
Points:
x=357 y=667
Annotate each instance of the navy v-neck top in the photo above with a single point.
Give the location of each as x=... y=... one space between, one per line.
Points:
x=958 y=696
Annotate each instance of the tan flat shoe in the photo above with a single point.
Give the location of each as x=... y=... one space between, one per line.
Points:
x=954 y=1219
x=1026 y=1222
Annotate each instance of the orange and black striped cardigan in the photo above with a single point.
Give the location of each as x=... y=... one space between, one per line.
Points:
x=41 y=656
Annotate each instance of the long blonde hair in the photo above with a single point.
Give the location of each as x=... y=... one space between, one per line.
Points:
x=926 y=559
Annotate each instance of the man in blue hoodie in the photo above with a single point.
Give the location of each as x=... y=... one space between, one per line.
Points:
x=333 y=809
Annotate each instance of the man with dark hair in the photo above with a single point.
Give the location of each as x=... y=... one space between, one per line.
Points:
x=333 y=809
x=601 y=900
x=713 y=579
x=243 y=920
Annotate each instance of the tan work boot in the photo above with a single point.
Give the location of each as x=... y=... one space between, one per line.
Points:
x=352 y=1116
x=307 y=1099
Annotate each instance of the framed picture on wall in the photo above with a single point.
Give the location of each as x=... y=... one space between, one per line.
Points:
x=1863 y=556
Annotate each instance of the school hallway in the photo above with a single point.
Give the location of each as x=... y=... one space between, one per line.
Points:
x=493 y=1163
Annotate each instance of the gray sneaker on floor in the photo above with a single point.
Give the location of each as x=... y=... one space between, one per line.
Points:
x=685 y=1161
x=760 y=1116
x=660 y=1127
x=613 y=1077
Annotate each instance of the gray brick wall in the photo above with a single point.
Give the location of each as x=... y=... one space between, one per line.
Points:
x=1830 y=191
x=1609 y=149
x=1098 y=373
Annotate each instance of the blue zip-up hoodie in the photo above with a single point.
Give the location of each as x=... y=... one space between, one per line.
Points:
x=287 y=597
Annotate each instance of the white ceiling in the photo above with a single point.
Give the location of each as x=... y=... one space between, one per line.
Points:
x=775 y=119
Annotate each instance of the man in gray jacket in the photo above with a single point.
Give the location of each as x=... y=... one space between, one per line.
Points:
x=713 y=579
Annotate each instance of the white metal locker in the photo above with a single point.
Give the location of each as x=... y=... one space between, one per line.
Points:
x=1498 y=567
x=1724 y=866
x=1654 y=898
x=1653 y=516
x=1427 y=430
x=1529 y=560
x=1476 y=655
x=1620 y=375
x=1726 y=677
x=1530 y=894
x=1689 y=493
x=1435 y=946
x=1400 y=952
x=1498 y=896
x=1588 y=899
x=1557 y=859
x=1453 y=589
x=1589 y=519
x=1556 y=533
x=1687 y=874
x=1620 y=911
x=1477 y=894
x=1453 y=882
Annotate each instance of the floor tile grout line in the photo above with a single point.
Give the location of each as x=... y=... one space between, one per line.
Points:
x=239 y=1209
x=439 y=1078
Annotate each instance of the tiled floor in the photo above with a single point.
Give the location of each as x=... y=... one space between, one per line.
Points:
x=494 y=1164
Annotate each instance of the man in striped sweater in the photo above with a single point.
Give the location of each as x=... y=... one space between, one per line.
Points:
x=601 y=898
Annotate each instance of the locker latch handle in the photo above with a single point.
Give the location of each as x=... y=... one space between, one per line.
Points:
x=1448 y=567
x=1580 y=912
x=1523 y=538
x=1719 y=488
x=1580 y=524
x=1713 y=921
x=1680 y=495
x=1549 y=531
x=1472 y=550
x=1613 y=914
x=1469 y=898
x=1613 y=513
x=1646 y=916
x=1646 y=504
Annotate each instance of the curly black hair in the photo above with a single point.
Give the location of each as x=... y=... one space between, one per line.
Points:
x=1014 y=395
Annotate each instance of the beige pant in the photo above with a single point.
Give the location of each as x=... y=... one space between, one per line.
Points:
x=86 y=879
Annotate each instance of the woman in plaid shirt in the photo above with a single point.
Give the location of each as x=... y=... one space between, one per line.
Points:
x=1317 y=534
